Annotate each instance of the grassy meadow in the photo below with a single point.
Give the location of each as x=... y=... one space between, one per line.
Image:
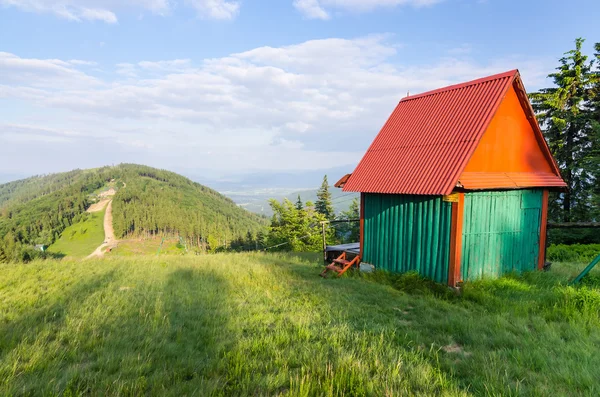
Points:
x=266 y=324
x=148 y=246
x=82 y=238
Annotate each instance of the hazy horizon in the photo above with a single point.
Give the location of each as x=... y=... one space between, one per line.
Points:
x=195 y=87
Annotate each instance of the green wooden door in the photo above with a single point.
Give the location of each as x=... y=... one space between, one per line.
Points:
x=405 y=233
x=501 y=233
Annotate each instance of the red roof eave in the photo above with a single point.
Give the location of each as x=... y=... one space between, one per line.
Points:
x=426 y=143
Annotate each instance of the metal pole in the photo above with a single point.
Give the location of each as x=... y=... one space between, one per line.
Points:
x=324 y=243
x=586 y=270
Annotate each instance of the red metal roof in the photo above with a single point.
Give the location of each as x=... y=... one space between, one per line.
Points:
x=342 y=181
x=509 y=180
x=426 y=143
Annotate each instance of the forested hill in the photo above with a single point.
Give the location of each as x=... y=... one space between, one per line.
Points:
x=148 y=202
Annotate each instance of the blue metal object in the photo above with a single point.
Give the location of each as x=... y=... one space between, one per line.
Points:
x=160 y=246
x=586 y=270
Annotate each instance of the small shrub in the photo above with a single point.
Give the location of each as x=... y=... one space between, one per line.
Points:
x=411 y=282
x=591 y=280
x=573 y=236
x=572 y=253
x=579 y=302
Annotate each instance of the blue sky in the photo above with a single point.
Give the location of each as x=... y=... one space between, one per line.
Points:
x=222 y=88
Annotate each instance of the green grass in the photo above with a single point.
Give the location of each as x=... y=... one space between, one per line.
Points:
x=82 y=238
x=266 y=324
x=135 y=247
x=573 y=252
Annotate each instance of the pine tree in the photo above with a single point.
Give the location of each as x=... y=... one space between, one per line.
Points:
x=299 y=204
x=566 y=122
x=594 y=160
x=294 y=230
x=323 y=205
x=350 y=232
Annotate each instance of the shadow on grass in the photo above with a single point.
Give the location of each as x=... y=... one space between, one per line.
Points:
x=267 y=325
x=51 y=315
x=499 y=337
x=168 y=338
x=54 y=255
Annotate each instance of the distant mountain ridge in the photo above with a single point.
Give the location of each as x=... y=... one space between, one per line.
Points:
x=35 y=211
x=259 y=204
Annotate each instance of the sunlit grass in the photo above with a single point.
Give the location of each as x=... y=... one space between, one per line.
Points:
x=258 y=324
x=82 y=238
x=149 y=246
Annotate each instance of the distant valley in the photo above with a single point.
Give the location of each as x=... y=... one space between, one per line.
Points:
x=253 y=191
x=258 y=201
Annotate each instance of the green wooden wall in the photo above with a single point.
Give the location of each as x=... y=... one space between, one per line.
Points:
x=501 y=232
x=407 y=233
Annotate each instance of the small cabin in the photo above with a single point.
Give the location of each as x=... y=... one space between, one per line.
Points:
x=455 y=185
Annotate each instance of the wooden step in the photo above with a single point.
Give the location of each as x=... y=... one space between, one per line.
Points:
x=341 y=261
x=334 y=268
x=339 y=265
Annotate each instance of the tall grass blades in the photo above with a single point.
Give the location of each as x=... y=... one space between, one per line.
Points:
x=266 y=324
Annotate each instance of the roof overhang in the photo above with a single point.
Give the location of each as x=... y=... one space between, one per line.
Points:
x=509 y=180
x=342 y=182
x=377 y=171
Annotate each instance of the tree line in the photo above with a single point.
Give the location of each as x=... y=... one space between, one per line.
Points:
x=162 y=203
x=154 y=203
x=569 y=115
x=298 y=226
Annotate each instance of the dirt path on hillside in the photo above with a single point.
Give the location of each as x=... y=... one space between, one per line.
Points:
x=99 y=206
x=109 y=234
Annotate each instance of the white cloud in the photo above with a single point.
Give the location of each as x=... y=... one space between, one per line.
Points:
x=46 y=73
x=33 y=133
x=217 y=9
x=92 y=14
x=311 y=9
x=75 y=10
x=79 y=62
x=318 y=9
x=306 y=106
x=166 y=66
x=105 y=10
x=126 y=69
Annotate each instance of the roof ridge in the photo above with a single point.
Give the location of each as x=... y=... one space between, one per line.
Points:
x=452 y=87
x=425 y=145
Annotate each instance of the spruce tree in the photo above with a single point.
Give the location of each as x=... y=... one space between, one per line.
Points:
x=294 y=230
x=299 y=204
x=562 y=113
x=594 y=159
x=323 y=205
x=350 y=232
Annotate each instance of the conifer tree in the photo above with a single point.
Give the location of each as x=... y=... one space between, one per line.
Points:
x=323 y=204
x=350 y=232
x=562 y=113
x=294 y=230
x=299 y=204
x=594 y=163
